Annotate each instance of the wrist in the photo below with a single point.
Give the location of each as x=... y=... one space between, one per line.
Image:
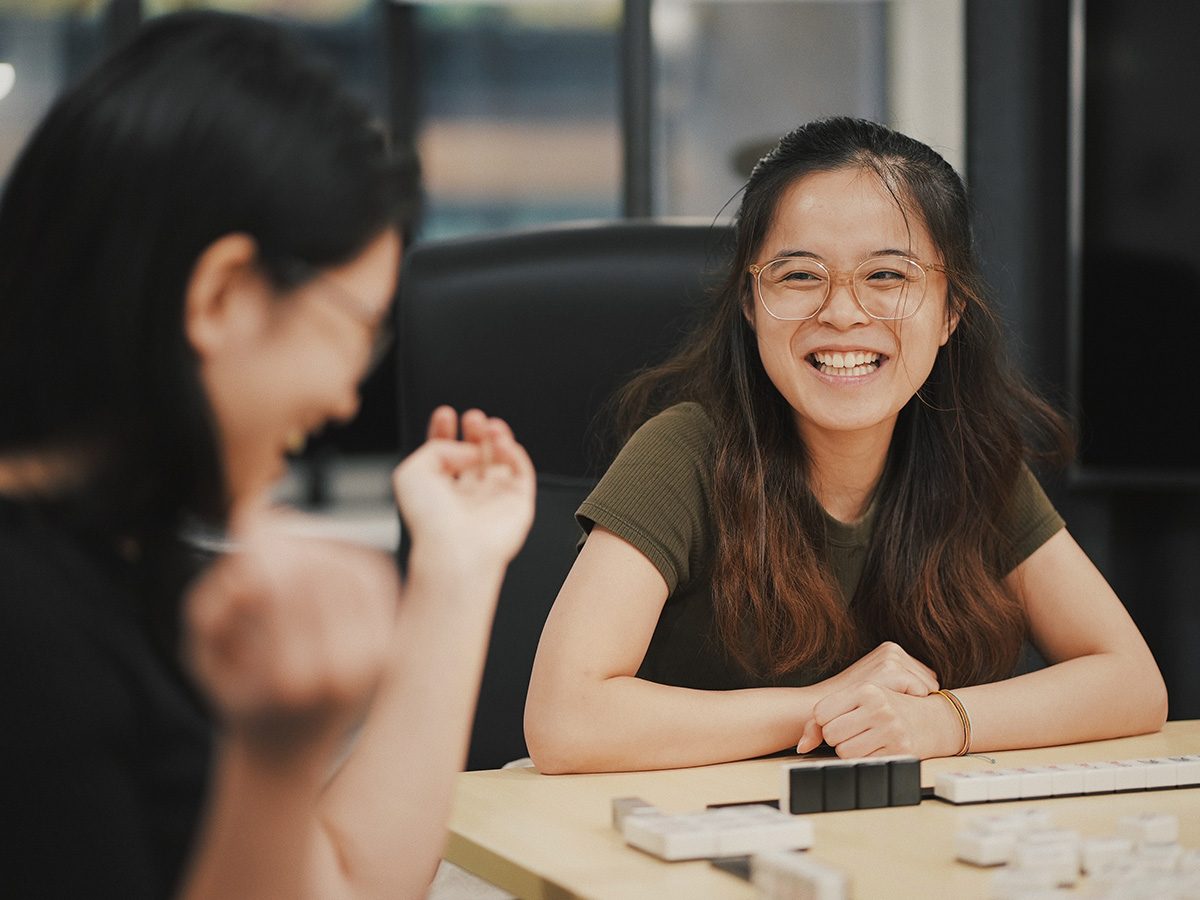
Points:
x=453 y=569
x=950 y=728
x=268 y=759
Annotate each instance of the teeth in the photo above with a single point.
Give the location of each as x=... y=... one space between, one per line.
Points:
x=856 y=359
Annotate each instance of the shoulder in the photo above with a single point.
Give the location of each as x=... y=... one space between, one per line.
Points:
x=675 y=447
x=684 y=426
x=44 y=574
x=64 y=624
x=112 y=755
x=1028 y=521
x=656 y=494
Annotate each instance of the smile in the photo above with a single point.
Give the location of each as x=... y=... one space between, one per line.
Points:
x=845 y=365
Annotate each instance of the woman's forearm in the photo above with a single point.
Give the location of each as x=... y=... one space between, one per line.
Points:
x=258 y=831
x=1090 y=697
x=625 y=723
x=276 y=828
x=387 y=807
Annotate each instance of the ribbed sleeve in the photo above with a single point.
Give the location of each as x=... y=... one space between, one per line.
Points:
x=655 y=494
x=1031 y=520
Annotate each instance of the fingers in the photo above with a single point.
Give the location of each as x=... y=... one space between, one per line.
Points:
x=507 y=452
x=493 y=436
x=923 y=679
x=893 y=655
x=486 y=441
x=475 y=426
x=477 y=492
x=500 y=428
x=846 y=717
x=456 y=459
x=892 y=667
x=810 y=738
x=443 y=424
x=905 y=681
x=865 y=720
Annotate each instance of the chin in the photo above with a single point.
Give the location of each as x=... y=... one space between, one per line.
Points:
x=835 y=423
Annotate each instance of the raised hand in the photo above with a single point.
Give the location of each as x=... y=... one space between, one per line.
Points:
x=288 y=635
x=471 y=496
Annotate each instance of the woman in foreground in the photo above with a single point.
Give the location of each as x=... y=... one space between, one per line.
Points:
x=198 y=249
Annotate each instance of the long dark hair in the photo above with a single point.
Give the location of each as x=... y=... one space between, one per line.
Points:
x=932 y=576
x=205 y=124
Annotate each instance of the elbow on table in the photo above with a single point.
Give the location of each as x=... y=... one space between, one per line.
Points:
x=552 y=744
x=1146 y=701
x=1157 y=704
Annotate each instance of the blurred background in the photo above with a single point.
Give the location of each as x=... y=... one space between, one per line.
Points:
x=1072 y=120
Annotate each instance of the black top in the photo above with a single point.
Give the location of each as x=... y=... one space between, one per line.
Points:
x=104 y=753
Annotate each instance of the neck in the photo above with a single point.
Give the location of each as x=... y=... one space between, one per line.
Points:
x=845 y=467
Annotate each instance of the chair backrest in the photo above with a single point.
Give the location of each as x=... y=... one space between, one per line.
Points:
x=540 y=328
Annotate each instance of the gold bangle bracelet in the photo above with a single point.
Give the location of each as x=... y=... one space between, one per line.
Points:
x=963 y=718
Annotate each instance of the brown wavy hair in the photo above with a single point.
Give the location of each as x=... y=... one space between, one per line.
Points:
x=932 y=578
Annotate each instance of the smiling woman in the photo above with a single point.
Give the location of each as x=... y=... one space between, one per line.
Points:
x=837 y=218
x=306 y=353
x=830 y=519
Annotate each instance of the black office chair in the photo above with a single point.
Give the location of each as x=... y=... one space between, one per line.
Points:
x=540 y=328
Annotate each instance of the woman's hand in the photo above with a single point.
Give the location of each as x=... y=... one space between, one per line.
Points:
x=869 y=685
x=471 y=497
x=871 y=720
x=889 y=666
x=288 y=635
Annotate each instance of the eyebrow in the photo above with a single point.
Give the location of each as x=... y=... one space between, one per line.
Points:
x=808 y=254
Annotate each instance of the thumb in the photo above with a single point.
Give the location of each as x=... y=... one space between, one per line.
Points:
x=811 y=738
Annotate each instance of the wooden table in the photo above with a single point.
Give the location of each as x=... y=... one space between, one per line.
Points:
x=540 y=836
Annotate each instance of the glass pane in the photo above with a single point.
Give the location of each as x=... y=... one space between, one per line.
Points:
x=734 y=76
x=519 y=113
x=43 y=47
x=348 y=33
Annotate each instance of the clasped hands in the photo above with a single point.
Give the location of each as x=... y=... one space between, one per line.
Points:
x=882 y=704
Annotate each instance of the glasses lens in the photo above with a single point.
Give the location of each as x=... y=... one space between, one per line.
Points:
x=793 y=288
x=889 y=287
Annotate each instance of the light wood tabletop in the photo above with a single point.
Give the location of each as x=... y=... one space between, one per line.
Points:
x=540 y=836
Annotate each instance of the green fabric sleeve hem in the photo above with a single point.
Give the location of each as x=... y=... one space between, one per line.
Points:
x=1032 y=509
x=1042 y=531
x=590 y=513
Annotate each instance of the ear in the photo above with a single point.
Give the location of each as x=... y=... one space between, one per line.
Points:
x=748 y=309
x=954 y=308
x=224 y=295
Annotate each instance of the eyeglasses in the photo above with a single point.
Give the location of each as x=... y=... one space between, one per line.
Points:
x=379 y=330
x=794 y=288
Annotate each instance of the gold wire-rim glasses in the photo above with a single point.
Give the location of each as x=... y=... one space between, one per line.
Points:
x=380 y=330
x=836 y=277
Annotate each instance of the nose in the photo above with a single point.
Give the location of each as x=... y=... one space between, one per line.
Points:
x=841 y=308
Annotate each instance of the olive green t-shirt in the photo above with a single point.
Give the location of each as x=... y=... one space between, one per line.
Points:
x=657 y=496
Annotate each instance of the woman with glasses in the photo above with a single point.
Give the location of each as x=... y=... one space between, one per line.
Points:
x=824 y=529
x=198 y=248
